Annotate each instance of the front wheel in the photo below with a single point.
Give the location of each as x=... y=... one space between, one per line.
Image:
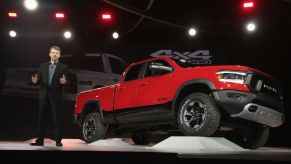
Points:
x=198 y=115
x=93 y=128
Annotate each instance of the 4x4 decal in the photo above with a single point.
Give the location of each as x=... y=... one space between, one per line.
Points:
x=196 y=57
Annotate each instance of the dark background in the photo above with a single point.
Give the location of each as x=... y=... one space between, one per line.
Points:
x=220 y=26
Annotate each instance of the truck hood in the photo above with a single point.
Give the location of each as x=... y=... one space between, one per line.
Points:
x=232 y=67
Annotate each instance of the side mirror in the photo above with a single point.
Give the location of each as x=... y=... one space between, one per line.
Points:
x=160 y=67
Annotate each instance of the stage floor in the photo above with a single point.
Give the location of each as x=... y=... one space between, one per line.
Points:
x=116 y=149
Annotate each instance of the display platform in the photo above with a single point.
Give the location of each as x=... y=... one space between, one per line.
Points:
x=171 y=150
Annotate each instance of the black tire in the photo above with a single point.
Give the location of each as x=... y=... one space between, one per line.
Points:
x=249 y=138
x=141 y=138
x=198 y=115
x=92 y=128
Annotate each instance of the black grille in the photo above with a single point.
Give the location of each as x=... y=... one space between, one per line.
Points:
x=268 y=88
x=265 y=85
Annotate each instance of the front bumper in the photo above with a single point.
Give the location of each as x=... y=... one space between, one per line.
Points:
x=250 y=106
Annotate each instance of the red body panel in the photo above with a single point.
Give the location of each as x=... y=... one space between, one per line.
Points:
x=125 y=96
x=157 y=89
x=104 y=95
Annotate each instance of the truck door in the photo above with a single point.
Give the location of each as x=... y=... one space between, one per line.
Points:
x=154 y=89
x=125 y=95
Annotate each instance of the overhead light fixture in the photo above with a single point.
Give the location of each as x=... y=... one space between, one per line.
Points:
x=106 y=16
x=192 y=32
x=248 y=4
x=251 y=27
x=67 y=34
x=59 y=15
x=12 y=34
x=30 y=4
x=115 y=35
x=12 y=15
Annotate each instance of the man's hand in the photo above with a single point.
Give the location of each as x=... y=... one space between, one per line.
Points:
x=63 y=80
x=34 y=79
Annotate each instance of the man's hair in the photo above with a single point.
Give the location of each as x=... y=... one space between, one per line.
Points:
x=56 y=48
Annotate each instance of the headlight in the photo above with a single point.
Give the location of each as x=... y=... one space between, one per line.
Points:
x=231 y=76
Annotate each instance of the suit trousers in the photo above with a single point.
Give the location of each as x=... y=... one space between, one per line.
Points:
x=55 y=106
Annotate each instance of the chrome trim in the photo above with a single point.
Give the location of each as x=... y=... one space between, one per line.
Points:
x=263 y=115
x=232 y=72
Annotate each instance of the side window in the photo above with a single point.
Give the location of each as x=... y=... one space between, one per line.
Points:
x=92 y=63
x=89 y=63
x=133 y=72
x=158 y=67
x=117 y=66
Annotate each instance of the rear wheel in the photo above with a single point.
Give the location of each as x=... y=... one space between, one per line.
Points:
x=198 y=115
x=141 y=138
x=249 y=138
x=93 y=128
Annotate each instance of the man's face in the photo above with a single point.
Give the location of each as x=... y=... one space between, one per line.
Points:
x=54 y=54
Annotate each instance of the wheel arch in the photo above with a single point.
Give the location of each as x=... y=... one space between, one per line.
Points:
x=191 y=86
x=91 y=106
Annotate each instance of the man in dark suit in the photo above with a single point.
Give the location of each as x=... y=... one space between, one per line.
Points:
x=51 y=77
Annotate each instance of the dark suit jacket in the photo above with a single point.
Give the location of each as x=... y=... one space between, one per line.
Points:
x=56 y=88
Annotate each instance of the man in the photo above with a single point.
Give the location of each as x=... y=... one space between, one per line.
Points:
x=51 y=77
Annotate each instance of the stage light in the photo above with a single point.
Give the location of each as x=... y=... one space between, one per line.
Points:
x=106 y=17
x=192 y=32
x=248 y=4
x=67 y=34
x=59 y=15
x=251 y=27
x=12 y=15
x=30 y=4
x=12 y=34
x=115 y=35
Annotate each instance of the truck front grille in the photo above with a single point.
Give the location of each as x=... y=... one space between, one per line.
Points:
x=265 y=85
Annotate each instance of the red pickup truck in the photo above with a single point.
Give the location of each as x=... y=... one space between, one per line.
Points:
x=165 y=94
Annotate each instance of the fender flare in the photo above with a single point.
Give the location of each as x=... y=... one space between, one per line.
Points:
x=190 y=82
x=98 y=110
